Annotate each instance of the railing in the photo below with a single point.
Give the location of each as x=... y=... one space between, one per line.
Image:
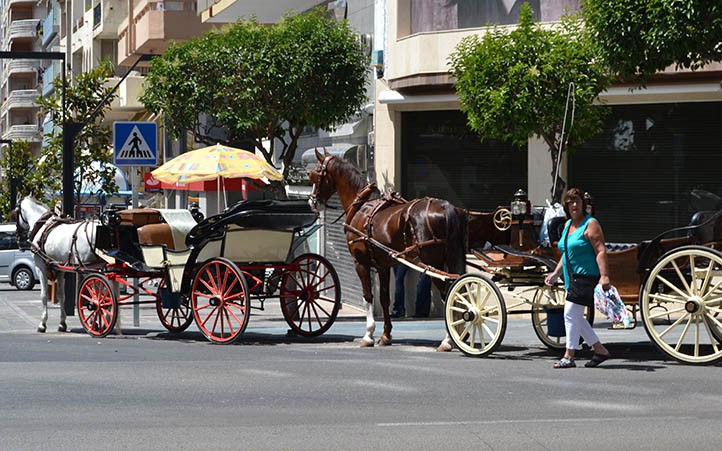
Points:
x=52 y=71
x=23 y=132
x=50 y=27
x=27 y=28
x=97 y=15
x=21 y=66
x=21 y=98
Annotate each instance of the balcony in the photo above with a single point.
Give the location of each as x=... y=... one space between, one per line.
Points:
x=21 y=98
x=50 y=27
x=23 y=29
x=23 y=132
x=52 y=71
x=126 y=103
x=47 y=129
x=10 y=3
x=21 y=66
x=154 y=24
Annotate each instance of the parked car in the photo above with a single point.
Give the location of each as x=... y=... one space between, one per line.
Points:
x=16 y=265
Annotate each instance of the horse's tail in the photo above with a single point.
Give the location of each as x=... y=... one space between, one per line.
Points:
x=456 y=240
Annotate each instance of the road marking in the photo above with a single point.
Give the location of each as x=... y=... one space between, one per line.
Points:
x=382 y=386
x=532 y=421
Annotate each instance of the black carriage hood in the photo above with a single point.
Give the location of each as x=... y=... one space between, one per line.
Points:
x=287 y=215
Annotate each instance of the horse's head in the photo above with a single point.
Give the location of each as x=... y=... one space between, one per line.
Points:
x=27 y=214
x=323 y=183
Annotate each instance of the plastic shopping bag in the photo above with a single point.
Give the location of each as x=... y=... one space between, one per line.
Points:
x=610 y=304
x=551 y=212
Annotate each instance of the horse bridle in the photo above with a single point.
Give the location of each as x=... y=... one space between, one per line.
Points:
x=323 y=172
x=21 y=231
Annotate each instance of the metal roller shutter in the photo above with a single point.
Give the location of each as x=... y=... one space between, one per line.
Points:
x=336 y=251
x=652 y=167
x=443 y=158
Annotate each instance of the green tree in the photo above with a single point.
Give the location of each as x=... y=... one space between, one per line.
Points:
x=16 y=160
x=641 y=37
x=93 y=143
x=513 y=85
x=258 y=83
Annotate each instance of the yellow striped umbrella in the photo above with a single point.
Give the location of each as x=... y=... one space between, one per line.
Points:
x=215 y=162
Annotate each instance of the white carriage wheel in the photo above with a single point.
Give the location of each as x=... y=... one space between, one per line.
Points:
x=681 y=304
x=475 y=315
x=552 y=298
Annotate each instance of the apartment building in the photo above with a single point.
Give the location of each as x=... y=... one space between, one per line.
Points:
x=19 y=31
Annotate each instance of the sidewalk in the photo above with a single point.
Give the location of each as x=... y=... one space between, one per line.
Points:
x=20 y=313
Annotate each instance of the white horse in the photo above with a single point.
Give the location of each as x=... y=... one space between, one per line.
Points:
x=55 y=242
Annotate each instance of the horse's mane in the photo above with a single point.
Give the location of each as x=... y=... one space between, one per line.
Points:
x=351 y=173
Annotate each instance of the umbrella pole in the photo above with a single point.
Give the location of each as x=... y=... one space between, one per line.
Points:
x=218 y=196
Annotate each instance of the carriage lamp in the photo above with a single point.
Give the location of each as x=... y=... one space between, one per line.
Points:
x=196 y=212
x=110 y=217
x=589 y=202
x=520 y=204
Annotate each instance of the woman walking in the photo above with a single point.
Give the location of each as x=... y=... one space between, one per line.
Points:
x=584 y=262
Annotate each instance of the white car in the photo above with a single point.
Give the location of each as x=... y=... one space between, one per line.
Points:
x=16 y=265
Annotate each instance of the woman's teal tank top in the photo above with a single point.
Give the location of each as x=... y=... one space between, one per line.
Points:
x=582 y=258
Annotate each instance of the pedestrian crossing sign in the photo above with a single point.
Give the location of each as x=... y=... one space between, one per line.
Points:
x=135 y=143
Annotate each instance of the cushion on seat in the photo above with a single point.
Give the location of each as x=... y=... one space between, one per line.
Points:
x=156 y=234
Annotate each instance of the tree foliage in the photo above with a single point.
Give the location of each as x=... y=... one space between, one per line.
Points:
x=16 y=159
x=93 y=143
x=259 y=82
x=641 y=37
x=513 y=85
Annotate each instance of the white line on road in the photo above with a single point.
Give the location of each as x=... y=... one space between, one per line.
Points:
x=531 y=421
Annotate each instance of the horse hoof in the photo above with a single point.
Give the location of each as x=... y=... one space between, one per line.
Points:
x=41 y=329
x=365 y=343
x=444 y=347
x=384 y=341
x=62 y=328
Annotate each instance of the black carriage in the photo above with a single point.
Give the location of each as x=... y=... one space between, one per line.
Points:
x=215 y=271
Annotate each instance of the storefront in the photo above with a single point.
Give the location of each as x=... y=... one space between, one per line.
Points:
x=652 y=167
x=441 y=157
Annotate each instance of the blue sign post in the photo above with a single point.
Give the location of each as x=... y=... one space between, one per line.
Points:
x=135 y=143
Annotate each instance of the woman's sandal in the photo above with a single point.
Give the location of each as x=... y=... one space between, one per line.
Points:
x=565 y=362
x=597 y=359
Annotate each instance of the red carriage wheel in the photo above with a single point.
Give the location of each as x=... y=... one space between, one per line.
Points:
x=219 y=298
x=97 y=306
x=310 y=295
x=176 y=318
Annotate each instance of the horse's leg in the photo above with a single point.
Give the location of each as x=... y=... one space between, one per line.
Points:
x=60 y=290
x=40 y=270
x=364 y=275
x=446 y=344
x=384 y=276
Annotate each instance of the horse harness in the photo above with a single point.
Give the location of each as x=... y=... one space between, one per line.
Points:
x=380 y=204
x=383 y=202
x=52 y=222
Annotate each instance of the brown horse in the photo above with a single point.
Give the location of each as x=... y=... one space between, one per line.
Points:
x=428 y=232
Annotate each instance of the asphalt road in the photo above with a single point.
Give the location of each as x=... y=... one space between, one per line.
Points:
x=147 y=389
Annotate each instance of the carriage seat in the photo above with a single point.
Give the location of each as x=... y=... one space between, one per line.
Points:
x=156 y=234
x=172 y=232
x=140 y=216
x=616 y=247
